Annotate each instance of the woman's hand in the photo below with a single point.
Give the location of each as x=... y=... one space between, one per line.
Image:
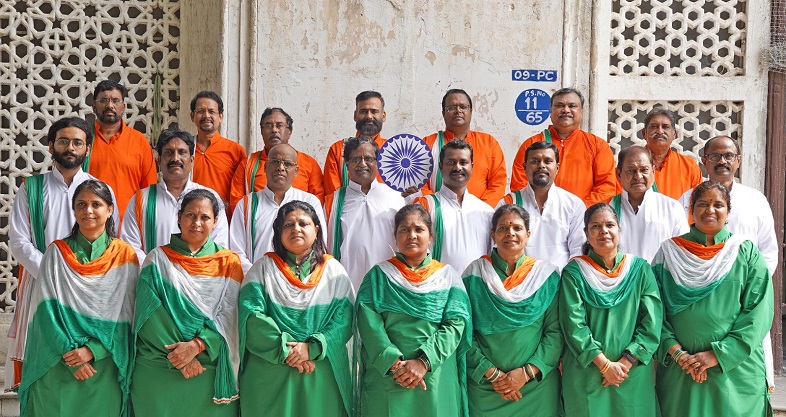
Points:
x=192 y=369
x=298 y=353
x=615 y=375
x=410 y=374
x=182 y=353
x=696 y=365
x=85 y=372
x=78 y=356
x=508 y=386
x=305 y=367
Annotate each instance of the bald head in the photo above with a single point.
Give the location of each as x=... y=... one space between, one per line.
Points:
x=281 y=167
x=720 y=141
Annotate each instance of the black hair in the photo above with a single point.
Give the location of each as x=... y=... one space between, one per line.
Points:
x=509 y=208
x=270 y=110
x=103 y=192
x=108 y=85
x=706 y=186
x=567 y=90
x=712 y=139
x=211 y=95
x=365 y=95
x=200 y=194
x=633 y=148
x=585 y=248
x=167 y=135
x=542 y=144
x=65 y=122
x=318 y=249
x=405 y=211
x=353 y=143
x=455 y=91
x=660 y=111
x=456 y=144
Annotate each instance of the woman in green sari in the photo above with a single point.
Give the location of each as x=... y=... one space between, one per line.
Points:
x=719 y=305
x=76 y=360
x=185 y=328
x=296 y=310
x=414 y=322
x=517 y=342
x=611 y=316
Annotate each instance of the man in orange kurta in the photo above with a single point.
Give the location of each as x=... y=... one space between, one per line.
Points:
x=489 y=176
x=216 y=157
x=586 y=161
x=675 y=173
x=120 y=156
x=250 y=176
x=369 y=116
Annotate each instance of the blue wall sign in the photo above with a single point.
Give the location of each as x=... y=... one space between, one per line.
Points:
x=533 y=106
x=534 y=75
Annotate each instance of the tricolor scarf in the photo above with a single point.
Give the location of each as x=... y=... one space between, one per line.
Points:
x=436 y=178
x=72 y=303
x=145 y=213
x=599 y=288
x=434 y=207
x=322 y=304
x=196 y=293
x=434 y=293
x=688 y=272
x=250 y=207
x=335 y=209
x=500 y=307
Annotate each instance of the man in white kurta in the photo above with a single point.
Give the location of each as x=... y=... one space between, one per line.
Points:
x=361 y=215
x=69 y=140
x=251 y=228
x=556 y=217
x=149 y=223
x=462 y=222
x=646 y=217
x=750 y=214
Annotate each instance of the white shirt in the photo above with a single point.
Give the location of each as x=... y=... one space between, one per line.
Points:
x=240 y=227
x=557 y=234
x=659 y=219
x=467 y=227
x=167 y=207
x=367 y=222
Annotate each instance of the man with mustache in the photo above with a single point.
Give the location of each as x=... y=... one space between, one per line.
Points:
x=675 y=173
x=646 y=217
x=750 y=214
x=587 y=161
x=556 y=217
x=216 y=157
x=462 y=221
x=120 y=156
x=276 y=125
x=490 y=178
x=364 y=207
x=151 y=216
x=251 y=228
x=369 y=115
x=41 y=214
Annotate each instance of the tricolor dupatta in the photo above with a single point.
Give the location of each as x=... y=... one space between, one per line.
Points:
x=685 y=277
x=601 y=290
x=196 y=293
x=321 y=308
x=72 y=303
x=496 y=309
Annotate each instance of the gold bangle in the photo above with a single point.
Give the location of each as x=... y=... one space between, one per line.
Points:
x=606 y=366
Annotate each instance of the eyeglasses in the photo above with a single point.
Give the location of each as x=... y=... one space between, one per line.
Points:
x=76 y=143
x=202 y=112
x=716 y=157
x=452 y=109
x=279 y=162
x=105 y=101
x=270 y=126
x=357 y=159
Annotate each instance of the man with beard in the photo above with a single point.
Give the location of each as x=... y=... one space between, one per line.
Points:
x=251 y=176
x=41 y=214
x=587 y=161
x=369 y=116
x=151 y=216
x=364 y=207
x=217 y=157
x=121 y=156
x=646 y=217
x=556 y=217
x=462 y=221
x=490 y=178
x=675 y=173
x=251 y=228
x=750 y=214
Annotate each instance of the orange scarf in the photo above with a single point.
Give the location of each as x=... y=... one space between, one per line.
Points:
x=316 y=276
x=703 y=252
x=613 y=274
x=420 y=275
x=115 y=255
x=517 y=277
x=214 y=266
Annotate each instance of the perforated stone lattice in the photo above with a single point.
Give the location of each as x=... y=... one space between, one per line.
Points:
x=697 y=122
x=678 y=37
x=52 y=54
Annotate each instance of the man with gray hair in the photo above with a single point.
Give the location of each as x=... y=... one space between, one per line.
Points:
x=675 y=173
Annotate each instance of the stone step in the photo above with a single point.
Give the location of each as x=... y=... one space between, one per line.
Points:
x=9 y=405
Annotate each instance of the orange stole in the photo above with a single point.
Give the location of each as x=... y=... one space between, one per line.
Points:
x=515 y=279
x=316 y=275
x=421 y=274
x=613 y=274
x=703 y=252
x=118 y=253
x=214 y=266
